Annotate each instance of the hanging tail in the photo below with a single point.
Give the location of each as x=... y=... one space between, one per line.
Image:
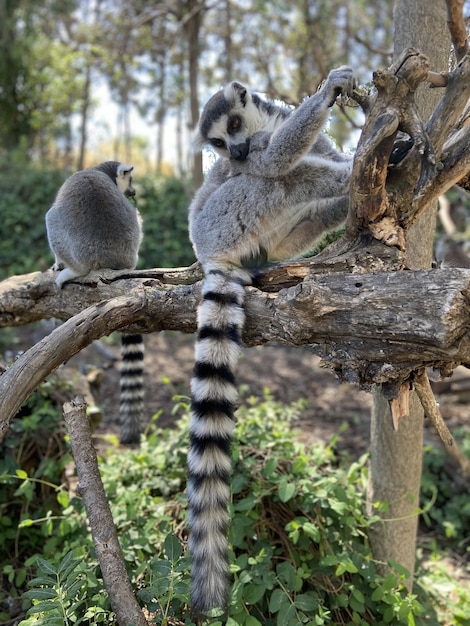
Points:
x=132 y=388
x=214 y=395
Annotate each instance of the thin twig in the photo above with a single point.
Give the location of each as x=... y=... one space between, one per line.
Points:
x=431 y=409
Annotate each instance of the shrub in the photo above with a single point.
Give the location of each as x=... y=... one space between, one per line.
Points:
x=299 y=553
x=27 y=192
x=163 y=204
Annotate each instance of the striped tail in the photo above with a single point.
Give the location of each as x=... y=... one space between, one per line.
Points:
x=132 y=388
x=214 y=395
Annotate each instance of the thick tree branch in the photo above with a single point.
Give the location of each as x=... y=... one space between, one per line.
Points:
x=366 y=326
x=103 y=530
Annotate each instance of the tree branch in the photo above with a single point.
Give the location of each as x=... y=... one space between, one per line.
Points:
x=431 y=409
x=366 y=326
x=103 y=530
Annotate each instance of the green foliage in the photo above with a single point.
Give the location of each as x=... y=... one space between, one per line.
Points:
x=450 y=515
x=27 y=192
x=299 y=549
x=58 y=593
x=33 y=495
x=163 y=204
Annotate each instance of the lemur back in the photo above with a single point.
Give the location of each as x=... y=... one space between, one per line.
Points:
x=278 y=186
x=90 y=226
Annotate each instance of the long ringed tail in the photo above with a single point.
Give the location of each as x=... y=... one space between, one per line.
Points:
x=131 y=407
x=221 y=319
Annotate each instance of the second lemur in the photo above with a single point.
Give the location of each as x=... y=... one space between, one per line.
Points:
x=92 y=225
x=278 y=185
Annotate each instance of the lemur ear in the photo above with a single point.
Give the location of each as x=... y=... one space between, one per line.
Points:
x=123 y=169
x=237 y=92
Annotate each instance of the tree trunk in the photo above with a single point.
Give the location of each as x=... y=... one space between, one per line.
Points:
x=396 y=455
x=192 y=26
x=84 y=117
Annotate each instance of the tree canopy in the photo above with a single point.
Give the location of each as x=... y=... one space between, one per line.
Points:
x=161 y=60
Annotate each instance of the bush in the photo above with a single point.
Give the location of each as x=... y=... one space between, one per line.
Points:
x=449 y=517
x=27 y=192
x=299 y=554
x=163 y=204
x=32 y=489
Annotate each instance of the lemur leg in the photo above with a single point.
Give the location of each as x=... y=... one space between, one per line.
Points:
x=318 y=217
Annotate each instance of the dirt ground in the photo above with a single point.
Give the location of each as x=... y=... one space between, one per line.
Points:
x=288 y=373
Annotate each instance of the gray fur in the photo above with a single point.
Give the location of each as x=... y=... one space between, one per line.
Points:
x=91 y=225
x=278 y=185
x=291 y=186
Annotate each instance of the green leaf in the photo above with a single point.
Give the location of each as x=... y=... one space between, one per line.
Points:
x=44 y=607
x=40 y=593
x=254 y=593
x=46 y=567
x=21 y=474
x=25 y=523
x=285 y=490
x=285 y=614
x=377 y=595
x=64 y=565
x=278 y=597
x=42 y=580
x=172 y=548
x=63 y=499
x=306 y=602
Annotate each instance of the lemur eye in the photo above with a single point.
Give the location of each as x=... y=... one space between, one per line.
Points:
x=218 y=143
x=234 y=124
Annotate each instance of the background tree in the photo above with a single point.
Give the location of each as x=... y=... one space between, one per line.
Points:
x=396 y=455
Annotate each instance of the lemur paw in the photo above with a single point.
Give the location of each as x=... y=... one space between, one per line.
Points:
x=340 y=81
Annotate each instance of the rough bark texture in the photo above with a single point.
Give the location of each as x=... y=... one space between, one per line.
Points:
x=365 y=326
x=396 y=455
x=105 y=539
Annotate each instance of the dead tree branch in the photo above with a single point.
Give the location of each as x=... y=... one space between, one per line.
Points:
x=401 y=166
x=431 y=409
x=365 y=326
x=103 y=530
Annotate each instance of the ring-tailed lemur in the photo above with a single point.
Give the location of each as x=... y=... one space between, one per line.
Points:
x=278 y=185
x=92 y=225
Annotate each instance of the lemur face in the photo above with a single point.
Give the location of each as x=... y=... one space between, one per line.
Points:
x=228 y=121
x=124 y=180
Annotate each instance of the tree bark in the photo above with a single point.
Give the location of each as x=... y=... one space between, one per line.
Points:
x=365 y=326
x=192 y=28
x=396 y=455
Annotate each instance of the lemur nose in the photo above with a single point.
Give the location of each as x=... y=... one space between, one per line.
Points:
x=239 y=152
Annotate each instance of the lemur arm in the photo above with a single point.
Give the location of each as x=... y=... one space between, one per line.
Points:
x=297 y=134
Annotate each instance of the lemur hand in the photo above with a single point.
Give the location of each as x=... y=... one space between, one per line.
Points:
x=339 y=81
